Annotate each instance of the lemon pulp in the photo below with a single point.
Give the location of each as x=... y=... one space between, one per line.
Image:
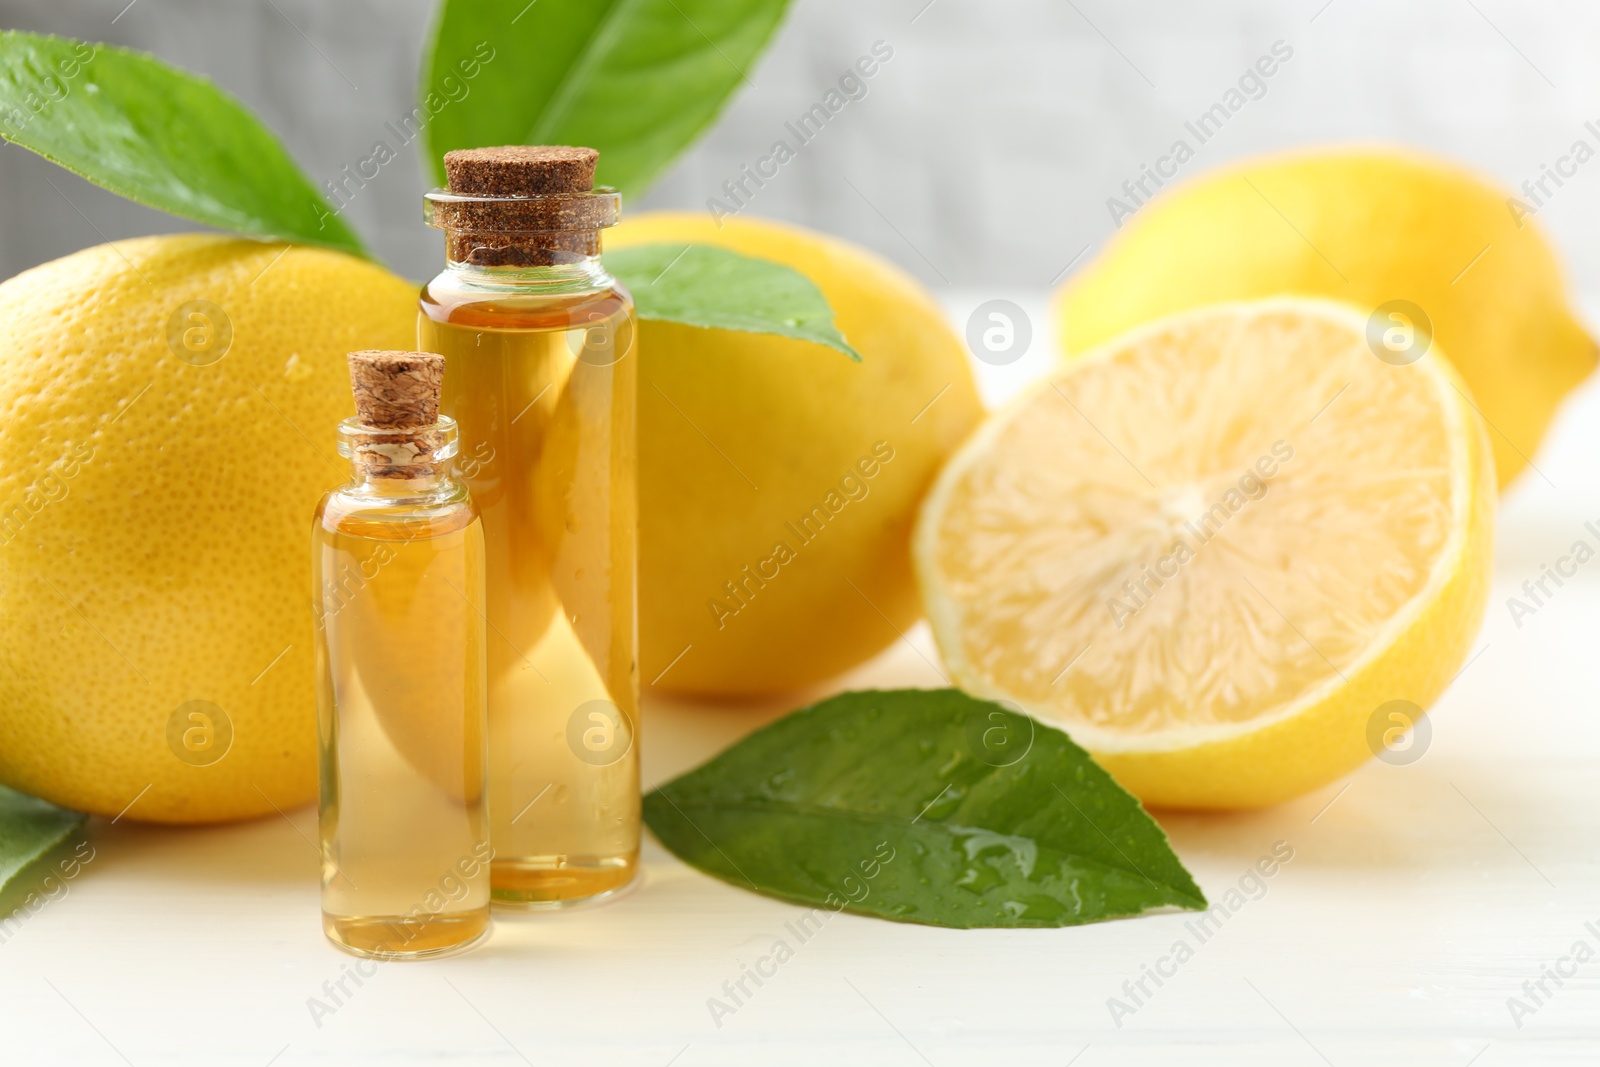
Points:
x=1207 y=527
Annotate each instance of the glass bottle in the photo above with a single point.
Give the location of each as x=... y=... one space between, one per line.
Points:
x=398 y=599
x=540 y=375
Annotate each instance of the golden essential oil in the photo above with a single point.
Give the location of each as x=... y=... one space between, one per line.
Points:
x=541 y=375
x=398 y=598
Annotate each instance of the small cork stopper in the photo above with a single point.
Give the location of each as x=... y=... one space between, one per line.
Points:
x=520 y=170
x=396 y=390
x=397 y=396
x=554 y=223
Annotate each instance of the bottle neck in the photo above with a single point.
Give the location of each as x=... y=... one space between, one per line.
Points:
x=410 y=465
x=546 y=240
x=419 y=483
x=576 y=273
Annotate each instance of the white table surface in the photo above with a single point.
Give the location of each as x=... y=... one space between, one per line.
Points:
x=1418 y=900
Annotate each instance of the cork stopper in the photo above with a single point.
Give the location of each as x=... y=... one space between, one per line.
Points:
x=397 y=412
x=521 y=205
x=396 y=390
x=520 y=170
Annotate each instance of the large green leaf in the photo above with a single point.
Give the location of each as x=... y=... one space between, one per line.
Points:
x=713 y=288
x=29 y=828
x=160 y=136
x=637 y=79
x=924 y=806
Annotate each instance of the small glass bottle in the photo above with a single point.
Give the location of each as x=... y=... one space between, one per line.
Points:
x=398 y=598
x=541 y=377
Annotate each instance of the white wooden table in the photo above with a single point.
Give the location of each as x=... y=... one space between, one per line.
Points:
x=1418 y=900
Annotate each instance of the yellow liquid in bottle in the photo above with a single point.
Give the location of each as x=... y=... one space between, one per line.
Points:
x=400 y=657
x=543 y=390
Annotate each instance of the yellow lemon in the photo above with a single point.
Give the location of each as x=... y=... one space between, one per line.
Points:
x=1421 y=245
x=1228 y=552
x=170 y=411
x=778 y=479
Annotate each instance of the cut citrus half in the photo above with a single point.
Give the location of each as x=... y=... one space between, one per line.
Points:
x=1213 y=549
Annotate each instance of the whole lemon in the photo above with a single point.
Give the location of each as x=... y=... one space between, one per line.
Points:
x=1426 y=248
x=778 y=479
x=170 y=410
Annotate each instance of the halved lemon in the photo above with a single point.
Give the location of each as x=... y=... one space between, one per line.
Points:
x=1213 y=549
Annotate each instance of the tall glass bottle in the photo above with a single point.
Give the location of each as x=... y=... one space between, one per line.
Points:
x=541 y=373
x=398 y=600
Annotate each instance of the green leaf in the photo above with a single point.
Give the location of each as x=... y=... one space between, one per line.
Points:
x=637 y=79
x=160 y=136
x=713 y=288
x=29 y=828
x=926 y=806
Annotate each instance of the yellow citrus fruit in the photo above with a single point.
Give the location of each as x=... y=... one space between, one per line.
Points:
x=1216 y=550
x=777 y=478
x=1418 y=243
x=170 y=411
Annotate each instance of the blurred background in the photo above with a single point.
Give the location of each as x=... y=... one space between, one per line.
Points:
x=984 y=151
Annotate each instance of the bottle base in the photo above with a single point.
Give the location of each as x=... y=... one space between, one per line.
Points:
x=542 y=883
x=397 y=937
